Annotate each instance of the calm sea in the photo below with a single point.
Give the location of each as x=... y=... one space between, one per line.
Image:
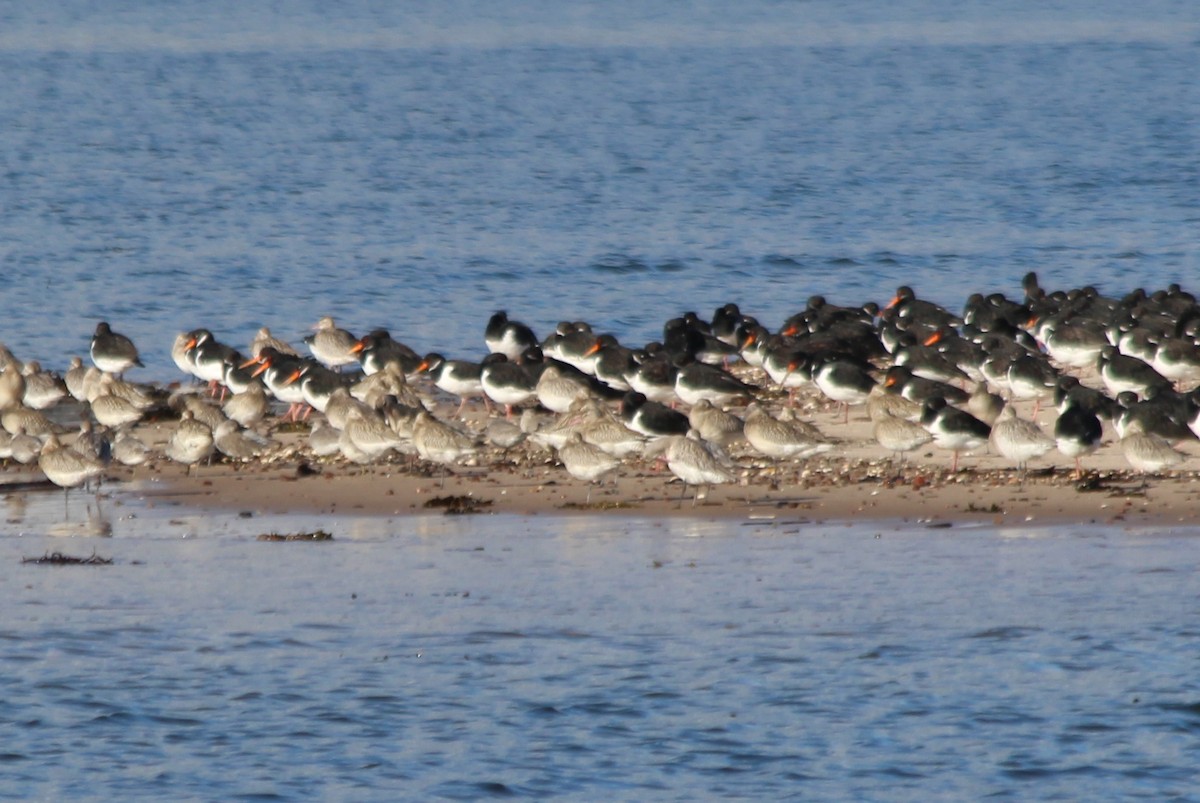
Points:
x=416 y=166
x=464 y=658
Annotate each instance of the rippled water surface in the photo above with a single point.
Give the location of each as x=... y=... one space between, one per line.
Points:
x=417 y=165
x=624 y=658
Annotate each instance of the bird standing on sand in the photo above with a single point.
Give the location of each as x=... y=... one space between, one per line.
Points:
x=1147 y=453
x=112 y=352
x=111 y=410
x=248 y=407
x=1077 y=432
x=714 y=424
x=439 y=442
x=505 y=382
x=557 y=392
x=953 y=429
x=691 y=461
x=697 y=380
x=844 y=382
x=1018 y=439
x=238 y=444
x=191 y=442
x=650 y=418
x=369 y=434
x=882 y=404
x=457 y=377
x=586 y=462
x=899 y=435
x=781 y=440
x=129 y=450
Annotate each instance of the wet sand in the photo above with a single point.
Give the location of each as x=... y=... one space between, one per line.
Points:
x=857 y=481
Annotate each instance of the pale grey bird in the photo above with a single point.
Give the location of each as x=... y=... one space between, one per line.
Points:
x=985 y=405
x=899 y=435
x=113 y=411
x=586 y=462
x=24 y=447
x=324 y=439
x=882 y=404
x=610 y=435
x=333 y=347
x=238 y=444
x=65 y=467
x=693 y=462
x=781 y=440
x=129 y=450
x=191 y=442
x=1147 y=453
x=557 y=392
x=341 y=404
x=43 y=389
x=21 y=419
x=12 y=386
x=714 y=424
x=1019 y=440
x=249 y=406
x=369 y=434
x=502 y=433
x=74 y=379
x=439 y=442
x=204 y=411
x=264 y=339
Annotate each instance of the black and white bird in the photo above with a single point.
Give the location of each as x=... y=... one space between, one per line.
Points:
x=953 y=429
x=651 y=418
x=1077 y=433
x=507 y=337
x=112 y=352
x=506 y=382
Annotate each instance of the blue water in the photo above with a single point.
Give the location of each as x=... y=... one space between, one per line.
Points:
x=475 y=657
x=418 y=165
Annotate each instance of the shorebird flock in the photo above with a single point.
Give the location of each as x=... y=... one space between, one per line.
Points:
x=715 y=400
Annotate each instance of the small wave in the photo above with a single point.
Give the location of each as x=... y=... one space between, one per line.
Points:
x=542 y=710
x=783 y=660
x=619 y=264
x=485 y=636
x=1191 y=709
x=887 y=651
x=1005 y=716
x=1005 y=633
x=471 y=790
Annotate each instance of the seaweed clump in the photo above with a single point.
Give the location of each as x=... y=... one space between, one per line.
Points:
x=59 y=559
x=458 y=505
x=315 y=535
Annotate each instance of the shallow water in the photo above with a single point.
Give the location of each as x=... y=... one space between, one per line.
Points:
x=417 y=166
x=486 y=656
